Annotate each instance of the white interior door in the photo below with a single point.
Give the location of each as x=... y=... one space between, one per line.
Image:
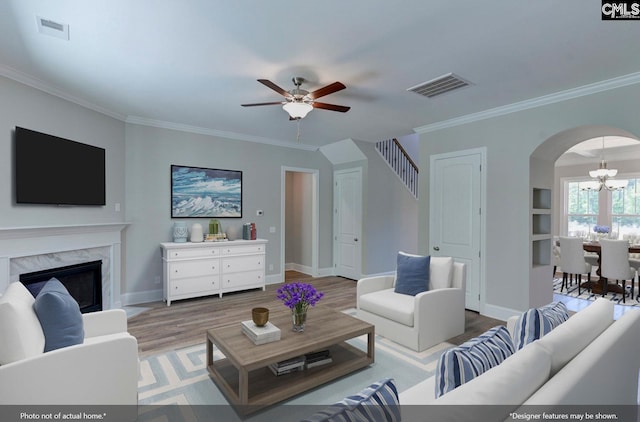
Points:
x=455 y=224
x=347 y=228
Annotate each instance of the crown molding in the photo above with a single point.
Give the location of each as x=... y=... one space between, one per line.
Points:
x=38 y=84
x=143 y=121
x=556 y=97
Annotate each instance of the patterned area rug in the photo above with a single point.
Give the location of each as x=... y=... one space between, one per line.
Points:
x=180 y=378
x=572 y=291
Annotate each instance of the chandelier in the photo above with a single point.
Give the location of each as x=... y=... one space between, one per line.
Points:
x=604 y=177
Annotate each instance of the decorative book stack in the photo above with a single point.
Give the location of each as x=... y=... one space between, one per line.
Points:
x=288 y=366
x=261 y=335
x=319 y=358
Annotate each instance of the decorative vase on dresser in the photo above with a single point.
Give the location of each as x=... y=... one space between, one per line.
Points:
x=180 y=232
x=212 y=268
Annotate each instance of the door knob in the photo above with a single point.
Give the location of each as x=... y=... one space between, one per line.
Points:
x=355 y=239
x=436 y=248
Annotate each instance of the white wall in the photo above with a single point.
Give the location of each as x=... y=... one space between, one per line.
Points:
x=510 y=140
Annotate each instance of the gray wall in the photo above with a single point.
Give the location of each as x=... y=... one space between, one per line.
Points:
x=511 y=140
x=30 y=108
x=151 y=151
x=390 y=213
x=138 y=178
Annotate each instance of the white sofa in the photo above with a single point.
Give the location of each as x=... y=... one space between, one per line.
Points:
x=587 y=360
x=101 y=371
x=420 y=321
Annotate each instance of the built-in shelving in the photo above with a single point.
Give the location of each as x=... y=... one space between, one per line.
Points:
x=541 y=227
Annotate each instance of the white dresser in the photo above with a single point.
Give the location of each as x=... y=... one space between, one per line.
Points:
x=209 y=268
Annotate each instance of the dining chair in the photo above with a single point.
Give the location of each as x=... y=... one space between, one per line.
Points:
x=556 y=258
x=634 y=258
x=614 y=265
x=572 y=262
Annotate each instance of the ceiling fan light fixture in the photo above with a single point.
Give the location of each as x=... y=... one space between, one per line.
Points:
x=297 y=110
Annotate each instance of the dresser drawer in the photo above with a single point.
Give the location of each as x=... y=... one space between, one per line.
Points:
x=242 y=249
x=208 y=285
x=243 y=263
x=239 y=281
x=192 y=253
x=197 y=268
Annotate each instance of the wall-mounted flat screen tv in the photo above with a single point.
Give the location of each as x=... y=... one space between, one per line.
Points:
x=53 y=170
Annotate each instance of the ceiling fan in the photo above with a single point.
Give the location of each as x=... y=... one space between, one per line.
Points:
x=298 y=102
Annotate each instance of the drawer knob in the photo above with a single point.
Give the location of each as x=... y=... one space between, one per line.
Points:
x=176 y=287
x=176 y=271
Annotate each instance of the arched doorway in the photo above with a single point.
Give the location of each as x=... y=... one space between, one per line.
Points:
x=543 y=224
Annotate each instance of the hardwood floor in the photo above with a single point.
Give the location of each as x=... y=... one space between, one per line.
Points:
x=185 y=322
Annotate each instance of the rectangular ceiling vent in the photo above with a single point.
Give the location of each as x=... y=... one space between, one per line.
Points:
x=440 y=85
x=53 y=28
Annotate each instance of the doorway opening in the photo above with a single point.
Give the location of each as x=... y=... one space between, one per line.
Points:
x=299 y=221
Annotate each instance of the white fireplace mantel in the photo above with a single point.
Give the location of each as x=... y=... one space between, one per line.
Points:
x=23 y=242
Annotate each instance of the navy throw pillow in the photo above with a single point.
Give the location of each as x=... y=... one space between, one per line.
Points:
x=412 y=275
x=59 y=315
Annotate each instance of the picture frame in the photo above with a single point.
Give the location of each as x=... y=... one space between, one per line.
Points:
x=199 y=192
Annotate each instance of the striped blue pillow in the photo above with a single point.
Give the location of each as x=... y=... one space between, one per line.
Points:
x=377 y=402
x=536 y=322
x=465 y=362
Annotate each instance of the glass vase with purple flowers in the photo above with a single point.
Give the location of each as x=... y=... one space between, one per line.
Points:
x=298 y=297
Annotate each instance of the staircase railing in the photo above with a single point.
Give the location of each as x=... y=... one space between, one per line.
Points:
x=398 y=159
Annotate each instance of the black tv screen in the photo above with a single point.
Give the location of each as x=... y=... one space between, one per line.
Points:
x=53 y=170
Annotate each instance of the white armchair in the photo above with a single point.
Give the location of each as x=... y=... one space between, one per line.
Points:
x=419 y=321
x=103 y=370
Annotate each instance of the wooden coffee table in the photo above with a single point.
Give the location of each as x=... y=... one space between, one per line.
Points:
x=244 y=377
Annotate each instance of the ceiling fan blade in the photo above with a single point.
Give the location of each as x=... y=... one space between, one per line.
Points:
x=329 y=89
x=332 y=107
x=275 y=87
x=261 y=104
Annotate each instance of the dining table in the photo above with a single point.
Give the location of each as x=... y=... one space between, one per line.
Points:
x=602 y=284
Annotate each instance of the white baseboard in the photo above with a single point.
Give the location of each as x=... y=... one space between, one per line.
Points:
x=322 y=272
x=274 y=279
x=499 y=312
x=292 y=266
x=141 y=297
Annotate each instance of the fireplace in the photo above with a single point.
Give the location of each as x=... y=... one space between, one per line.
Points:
x=83 y=281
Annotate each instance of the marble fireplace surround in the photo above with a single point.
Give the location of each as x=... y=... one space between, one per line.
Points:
x=28 y=249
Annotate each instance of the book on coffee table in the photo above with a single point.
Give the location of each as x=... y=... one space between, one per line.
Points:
x=260 y=335
x=319 y=358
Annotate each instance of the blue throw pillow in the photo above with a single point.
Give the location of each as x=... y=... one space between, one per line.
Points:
x=412 y=274
x=59 y=315
x=377 y=402
x=536 y=322
x=463 y=363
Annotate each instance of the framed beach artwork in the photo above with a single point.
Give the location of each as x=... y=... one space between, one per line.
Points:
x=198 y=192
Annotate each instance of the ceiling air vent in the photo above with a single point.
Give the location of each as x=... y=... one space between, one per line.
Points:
x=55 y=29
x=439 y=85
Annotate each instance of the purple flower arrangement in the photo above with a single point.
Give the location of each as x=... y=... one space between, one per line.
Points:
x=298 y=296
x=601 y=229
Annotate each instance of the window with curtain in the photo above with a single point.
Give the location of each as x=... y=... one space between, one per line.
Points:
x=582 y=209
